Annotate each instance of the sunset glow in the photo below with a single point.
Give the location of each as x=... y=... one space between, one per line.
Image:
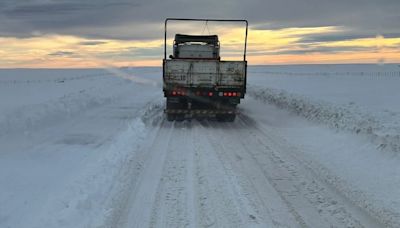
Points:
x=280 y=46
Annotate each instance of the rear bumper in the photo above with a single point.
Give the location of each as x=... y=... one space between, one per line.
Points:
x=202 y=93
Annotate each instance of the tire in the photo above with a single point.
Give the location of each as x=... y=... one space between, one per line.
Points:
x=230 y=117
x=174 y=106
x=220 y=117
x=170 y=117
x=226 y=117
x=180 y=117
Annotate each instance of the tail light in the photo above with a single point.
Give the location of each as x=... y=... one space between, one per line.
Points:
x=178 y=92
x=230 y=94
x=205 y=93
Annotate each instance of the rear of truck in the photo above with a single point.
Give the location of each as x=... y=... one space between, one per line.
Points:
x=197 y=83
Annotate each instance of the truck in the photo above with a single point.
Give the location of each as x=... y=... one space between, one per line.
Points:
x=197 y=82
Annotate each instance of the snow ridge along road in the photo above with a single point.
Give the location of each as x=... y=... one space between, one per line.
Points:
x=335 y=116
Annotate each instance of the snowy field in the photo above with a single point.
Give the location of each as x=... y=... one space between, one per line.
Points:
x=314 y=146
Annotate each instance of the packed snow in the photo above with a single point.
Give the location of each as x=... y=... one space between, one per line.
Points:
x=313 y=146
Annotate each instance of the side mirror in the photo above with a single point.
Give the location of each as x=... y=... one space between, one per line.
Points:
x=171 y=56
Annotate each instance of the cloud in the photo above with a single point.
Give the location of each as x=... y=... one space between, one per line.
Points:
x=317 y=38
x=37 y=10
x=314 y=50
x=133 y=53
x=127 y=30
x=92 y=43
x=62 y=54
x=143 y=19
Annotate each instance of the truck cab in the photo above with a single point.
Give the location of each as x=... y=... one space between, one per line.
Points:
x=196 y=47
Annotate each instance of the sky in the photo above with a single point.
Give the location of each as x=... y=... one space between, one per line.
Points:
x=117 y=33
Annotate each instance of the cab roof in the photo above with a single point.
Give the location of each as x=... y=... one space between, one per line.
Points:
x=210 y=39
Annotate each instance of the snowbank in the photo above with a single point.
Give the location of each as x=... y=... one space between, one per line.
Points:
x=94 y=196
x=50 y=96
x=69 y=145
x=358 y=98
x=344 y=117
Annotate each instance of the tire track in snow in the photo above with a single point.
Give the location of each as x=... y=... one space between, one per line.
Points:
x=139 y=204
x=262 y=197
x=340 y=190
x=330 y=205
x=175 y=206
x=217 y=199
x=192 y=199
x=248 y=196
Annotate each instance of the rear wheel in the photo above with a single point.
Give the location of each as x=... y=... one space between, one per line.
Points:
x=226 y=117
x=174 y=104
x=180 y=117
x=170 y=106
x=220 y=117
x=230 y=117
x=170 y=117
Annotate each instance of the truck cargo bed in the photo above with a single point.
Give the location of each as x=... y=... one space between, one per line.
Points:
x=205 y=73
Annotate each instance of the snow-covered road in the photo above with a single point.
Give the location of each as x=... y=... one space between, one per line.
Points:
x=96 y=151
x=205 y=173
